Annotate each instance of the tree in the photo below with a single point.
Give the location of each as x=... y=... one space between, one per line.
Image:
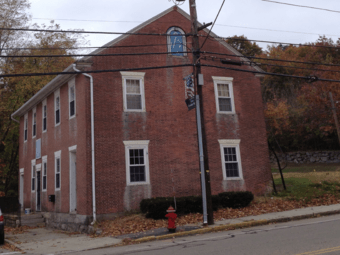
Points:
x=15 y=91
x=244 y=46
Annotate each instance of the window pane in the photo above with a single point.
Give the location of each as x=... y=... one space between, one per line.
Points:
x=232 y=169
x=72 y=108
x=72 y=93
x=58 y=165
x=225 y=104
x=134 y=101
x=57 y=117
x=57 y=103
x=45 y=168
x=45 y=111
x=44 y=182
x=176 y=41
x=137 y=173
x=223 y=90
x=132 y=87
x=25 y=134
x=33 y=183
x=57 y=181
x=45 y=123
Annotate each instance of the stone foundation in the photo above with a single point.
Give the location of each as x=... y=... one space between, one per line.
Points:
x=308 y=157
x=11 y=220
x=69 y=222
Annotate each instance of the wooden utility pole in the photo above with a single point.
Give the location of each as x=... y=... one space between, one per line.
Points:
x=335 y=117
x=197 y=71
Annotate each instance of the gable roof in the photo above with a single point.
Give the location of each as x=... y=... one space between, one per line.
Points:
x=59 y=80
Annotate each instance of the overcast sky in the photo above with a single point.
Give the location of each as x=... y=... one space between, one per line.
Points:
x=252 y=18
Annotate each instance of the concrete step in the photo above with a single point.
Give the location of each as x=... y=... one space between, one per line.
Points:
x=32 y=220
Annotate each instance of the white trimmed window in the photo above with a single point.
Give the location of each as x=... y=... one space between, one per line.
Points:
x=231 y=159
x=57 y=167
x=224 y=95
x=137 y=162
x=33 y=175
x=34 y=122
x=25 y=127
x=133 y=91
x=72 y=97
x=44 y=173
x=57 y=107
x=176 y=42
x=44 y=116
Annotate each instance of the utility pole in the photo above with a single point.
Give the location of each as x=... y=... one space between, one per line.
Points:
x=335 y=117
x=200 y=115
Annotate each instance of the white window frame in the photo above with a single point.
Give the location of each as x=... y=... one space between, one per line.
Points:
x=33 y=177
x=183 y=40
x=25 y=127
x=57 y=155
x=71 y=83
x=44 y=104
x=229 y=81
x=231 y=143
x=141 y=144
x=34 y=124
x=44 y=174
x=56 y=95
x=133 y=76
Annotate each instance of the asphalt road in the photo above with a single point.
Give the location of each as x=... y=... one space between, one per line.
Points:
x=305 y=237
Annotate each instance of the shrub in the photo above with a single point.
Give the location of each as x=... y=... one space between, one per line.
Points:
x=155 y=208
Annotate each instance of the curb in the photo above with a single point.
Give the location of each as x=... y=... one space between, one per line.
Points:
x=13 y=243
x=234 y=226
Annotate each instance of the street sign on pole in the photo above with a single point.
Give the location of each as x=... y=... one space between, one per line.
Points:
x=191 y=103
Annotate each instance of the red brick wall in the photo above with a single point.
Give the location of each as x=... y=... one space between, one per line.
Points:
x=167 y=124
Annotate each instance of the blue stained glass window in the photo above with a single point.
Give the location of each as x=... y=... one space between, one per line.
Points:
x=176 y=41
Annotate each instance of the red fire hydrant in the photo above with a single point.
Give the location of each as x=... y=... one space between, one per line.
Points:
x=171 y=219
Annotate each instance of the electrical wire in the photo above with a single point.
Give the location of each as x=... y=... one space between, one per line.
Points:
x=168 y=22
x=282 y=43
x=271 y=59
x=296 y=5
x=83 y=32
x=94 y=71
x=213 y=23
x=260 y=64
x=86 y=47
x=89 y=55
x=268 y=73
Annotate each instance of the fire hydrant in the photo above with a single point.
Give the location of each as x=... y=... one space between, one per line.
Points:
x=171 y=219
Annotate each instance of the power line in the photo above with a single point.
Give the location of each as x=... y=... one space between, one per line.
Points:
x=89 y=55
x=272 y=59
x=83 y=32
x=213 y=23
x=292 y=44
x=316 y=8
x=94 y=71
x=260 y=64
x=130 y=21
x=268 y=73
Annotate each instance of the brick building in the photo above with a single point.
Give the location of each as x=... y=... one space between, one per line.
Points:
x=144 y=137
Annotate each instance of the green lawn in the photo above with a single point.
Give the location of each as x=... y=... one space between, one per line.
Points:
x=305 y=168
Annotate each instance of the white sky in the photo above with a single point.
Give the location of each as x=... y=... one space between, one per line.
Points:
x=255 y=14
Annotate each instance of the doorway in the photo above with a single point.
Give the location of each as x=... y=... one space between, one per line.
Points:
x=38 y=198
x=73 y=182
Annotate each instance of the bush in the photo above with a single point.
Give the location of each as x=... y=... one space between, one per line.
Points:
x=155 y=208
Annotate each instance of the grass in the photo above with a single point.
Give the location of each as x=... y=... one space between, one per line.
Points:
x=306 y=168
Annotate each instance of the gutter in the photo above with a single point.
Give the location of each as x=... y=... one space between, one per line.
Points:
x=14 y=119
x=92 y=148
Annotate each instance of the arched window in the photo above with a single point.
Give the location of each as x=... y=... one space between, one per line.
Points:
x=176 y=42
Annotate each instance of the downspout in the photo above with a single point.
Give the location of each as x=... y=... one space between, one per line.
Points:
x=92 y=147
x=14 y=119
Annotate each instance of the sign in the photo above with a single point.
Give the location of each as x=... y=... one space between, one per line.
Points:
x=38 y=149
x=191 y=103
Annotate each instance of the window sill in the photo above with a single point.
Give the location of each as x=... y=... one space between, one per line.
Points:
x=56 y=125
x=44 y=131
x=137 y=183
x=127 y=111
x=44 y=190
x=234 y=179
x=57 y=190
x=72 y=117
x=33 y=191
x=34 y=137
x=227 y=113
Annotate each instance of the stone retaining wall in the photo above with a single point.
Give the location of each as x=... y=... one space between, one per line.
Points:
x=11 y=220
x=69 y=222
x=308 y=157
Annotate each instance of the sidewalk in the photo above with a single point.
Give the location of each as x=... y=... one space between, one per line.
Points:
x=47 y=241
